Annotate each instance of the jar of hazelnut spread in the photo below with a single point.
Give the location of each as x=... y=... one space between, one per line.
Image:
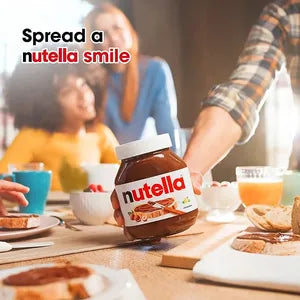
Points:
x=154 y=189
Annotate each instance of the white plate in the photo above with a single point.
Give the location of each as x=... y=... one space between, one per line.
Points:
x=230 y=266
x=117 y=279
x=47 y=222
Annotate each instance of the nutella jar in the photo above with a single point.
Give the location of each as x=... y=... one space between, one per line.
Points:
x=154 y=189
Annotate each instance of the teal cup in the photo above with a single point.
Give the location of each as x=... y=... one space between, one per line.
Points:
x=39 y=183
x=291 y=187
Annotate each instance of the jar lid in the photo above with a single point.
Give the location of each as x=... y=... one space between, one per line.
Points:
x=144 y=146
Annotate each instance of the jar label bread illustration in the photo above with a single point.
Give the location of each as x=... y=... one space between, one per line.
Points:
x=156 y=198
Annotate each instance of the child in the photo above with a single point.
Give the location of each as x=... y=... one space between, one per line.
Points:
x=52 y=105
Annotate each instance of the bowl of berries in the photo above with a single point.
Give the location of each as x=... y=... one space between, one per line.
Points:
x=92 y=206
x=222 y=199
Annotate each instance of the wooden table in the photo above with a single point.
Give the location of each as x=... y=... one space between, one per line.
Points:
x=160 y=282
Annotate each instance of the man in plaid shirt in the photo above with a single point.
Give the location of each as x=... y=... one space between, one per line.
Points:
x=230 y=112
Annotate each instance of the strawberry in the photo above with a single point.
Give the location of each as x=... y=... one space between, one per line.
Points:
x=100 y=188
x=215 y=184
x=93 y=188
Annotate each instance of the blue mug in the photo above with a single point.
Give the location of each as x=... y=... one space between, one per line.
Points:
x=39 y=183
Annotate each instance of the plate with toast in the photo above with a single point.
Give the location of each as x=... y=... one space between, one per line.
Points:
x=229 y=266
x=63 y=281
x=15 y=226
x=265 y=255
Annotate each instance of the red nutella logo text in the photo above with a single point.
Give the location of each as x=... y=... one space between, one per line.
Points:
x=166 y=186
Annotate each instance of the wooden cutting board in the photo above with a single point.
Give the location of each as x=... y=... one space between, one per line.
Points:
x=213 y=235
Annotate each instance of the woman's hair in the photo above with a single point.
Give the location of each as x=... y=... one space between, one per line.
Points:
x=130 y=86
x=32 y=93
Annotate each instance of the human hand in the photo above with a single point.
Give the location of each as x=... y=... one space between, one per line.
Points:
x=197 y=180
x=14 y=192
x=118 y=213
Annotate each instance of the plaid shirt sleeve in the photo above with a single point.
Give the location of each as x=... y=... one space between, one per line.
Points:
x=243 y=95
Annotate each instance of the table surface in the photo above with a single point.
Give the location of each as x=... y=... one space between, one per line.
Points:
x=159 y=282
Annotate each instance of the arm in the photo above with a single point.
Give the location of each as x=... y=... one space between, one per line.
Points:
x=164 y=110
x=210 y=141
x=108 y=142
x=230 y=113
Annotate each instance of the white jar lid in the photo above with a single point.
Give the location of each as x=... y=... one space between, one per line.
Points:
x=144 y=146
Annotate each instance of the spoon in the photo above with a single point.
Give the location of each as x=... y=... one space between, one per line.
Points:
x=66 y=224
x=4 y=247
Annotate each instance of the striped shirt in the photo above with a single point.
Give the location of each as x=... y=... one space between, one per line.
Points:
x=273 y=42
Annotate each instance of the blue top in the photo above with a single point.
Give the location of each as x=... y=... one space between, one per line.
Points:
x=156 y=101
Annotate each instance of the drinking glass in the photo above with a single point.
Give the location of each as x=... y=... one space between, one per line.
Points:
x=260 y=185
x=182 y=137
x=32 y=166
x=291 y=187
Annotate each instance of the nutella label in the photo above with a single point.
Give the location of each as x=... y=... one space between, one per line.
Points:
x=156 y=198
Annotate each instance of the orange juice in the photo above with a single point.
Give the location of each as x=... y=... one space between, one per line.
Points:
x=260 y=192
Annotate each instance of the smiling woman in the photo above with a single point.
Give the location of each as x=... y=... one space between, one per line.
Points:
x=52 y=105
x=136 y=92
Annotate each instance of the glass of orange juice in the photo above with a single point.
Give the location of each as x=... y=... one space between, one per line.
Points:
x=260 y=185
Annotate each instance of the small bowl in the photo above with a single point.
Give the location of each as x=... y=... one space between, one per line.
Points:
x=202 y=206
x=222 y=201
x=91 y=208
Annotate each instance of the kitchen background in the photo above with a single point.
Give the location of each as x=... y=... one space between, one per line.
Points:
x=201 y=40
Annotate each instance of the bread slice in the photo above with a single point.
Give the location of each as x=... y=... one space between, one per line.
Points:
x=260 y=244
x=19 y=221
x=51 y=283
x=296 y=216
x=270 y=218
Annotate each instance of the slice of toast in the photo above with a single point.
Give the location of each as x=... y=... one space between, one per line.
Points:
x=296 y=215
x=270 y=218
x=258 y=244
x=19 y=221
x=51 y=283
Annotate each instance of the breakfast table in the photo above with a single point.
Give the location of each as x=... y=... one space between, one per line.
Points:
x=156 y=281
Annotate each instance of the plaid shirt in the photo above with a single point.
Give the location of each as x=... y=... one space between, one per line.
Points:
x=272 y=42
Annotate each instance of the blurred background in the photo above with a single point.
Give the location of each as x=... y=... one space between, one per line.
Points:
x=201 y=45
